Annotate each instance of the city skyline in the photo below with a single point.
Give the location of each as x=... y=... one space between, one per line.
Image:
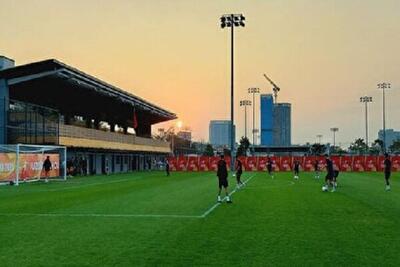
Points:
x=176 y=55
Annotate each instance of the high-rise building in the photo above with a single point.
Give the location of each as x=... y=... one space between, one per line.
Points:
x=266 y=105
x=282 y=124
x=391 y=136
x=275 y=122
x=219 y=132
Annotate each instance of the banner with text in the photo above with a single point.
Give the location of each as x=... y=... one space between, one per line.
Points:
x=30 y=166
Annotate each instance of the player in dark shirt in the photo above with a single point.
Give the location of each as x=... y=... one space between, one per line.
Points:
x=269 y=167
x=296 y=169
x=329 y=178
x=387 y=170
x=316 y=169
x=222 y=174
x=239 y=171
x=335 y=176
x=167 y=167
x=47 y=168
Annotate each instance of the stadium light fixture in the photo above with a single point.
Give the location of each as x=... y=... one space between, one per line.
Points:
x=366 y=100
x=384 y=86
x=245 y=103
x=254 y=91
x=334 y=130
x=232 y=21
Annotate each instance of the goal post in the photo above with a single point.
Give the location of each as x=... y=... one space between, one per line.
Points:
x=24 y=163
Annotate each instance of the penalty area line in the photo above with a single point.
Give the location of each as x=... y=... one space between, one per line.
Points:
x=207 y=212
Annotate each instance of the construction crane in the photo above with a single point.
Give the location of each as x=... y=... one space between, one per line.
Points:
x=275 y=88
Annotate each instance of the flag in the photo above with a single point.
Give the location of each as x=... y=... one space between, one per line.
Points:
x=135 y=122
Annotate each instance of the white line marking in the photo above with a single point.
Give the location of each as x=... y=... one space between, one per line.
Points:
x=205 y=214
x=93 y=184
x=100 y=215
x=134 y=178
x=117 y=215
x=82 y=185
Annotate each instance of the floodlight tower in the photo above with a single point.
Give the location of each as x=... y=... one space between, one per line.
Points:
x=384 y=86
x=254 y=91
x=232 y=21
x=245 y=103
x=366 y=100
x=319 y=136
x=334 y=130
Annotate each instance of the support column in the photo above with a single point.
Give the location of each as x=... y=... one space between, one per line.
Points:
x=88 y=123
x=67 y=119
x=4 y=106
x=143 y=130
x=97 y=124
x=112 y=127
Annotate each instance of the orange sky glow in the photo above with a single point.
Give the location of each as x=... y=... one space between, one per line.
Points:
x=323 y=54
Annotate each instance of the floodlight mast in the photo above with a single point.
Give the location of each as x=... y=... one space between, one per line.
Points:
x=334 y=130
x=384 y=86
x=254 y=91
x=232 y=21
x=366 y=100
x=245 y=103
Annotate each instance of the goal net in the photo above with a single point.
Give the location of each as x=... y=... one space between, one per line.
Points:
x=25 y=163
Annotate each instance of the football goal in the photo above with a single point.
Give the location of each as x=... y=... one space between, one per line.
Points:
x=26 y=163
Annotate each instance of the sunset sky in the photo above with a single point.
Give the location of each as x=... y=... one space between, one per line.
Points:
x=324 y=54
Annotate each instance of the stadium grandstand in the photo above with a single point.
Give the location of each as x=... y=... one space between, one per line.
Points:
x=105 y=129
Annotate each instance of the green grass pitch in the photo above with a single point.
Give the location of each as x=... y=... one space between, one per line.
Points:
x=148 y=219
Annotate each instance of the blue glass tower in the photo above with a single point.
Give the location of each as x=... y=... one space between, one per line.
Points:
x=267 y=107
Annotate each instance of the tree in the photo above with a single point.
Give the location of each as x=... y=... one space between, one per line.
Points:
x=317 y=149
x=338 y=150
x=376 y=147
x=209 y=150
x=395 y=147
x=244 y=145
x=358 y=146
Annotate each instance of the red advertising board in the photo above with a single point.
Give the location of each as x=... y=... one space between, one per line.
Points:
x=395 y=163
x=251 y=164
x=262 y=163
x=380 y=163
x=371 y=163
x=214 y=163
x=172 y=163
x=193 y=164
x=321 y=163
x=204 y=163
x=276 y=163
x=309 y=163
x=182 y=163
x=31 y=164
x=346 y=164
x=286 y=163
x=358 y=163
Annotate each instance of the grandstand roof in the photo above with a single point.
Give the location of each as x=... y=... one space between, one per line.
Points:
x=55 y=84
